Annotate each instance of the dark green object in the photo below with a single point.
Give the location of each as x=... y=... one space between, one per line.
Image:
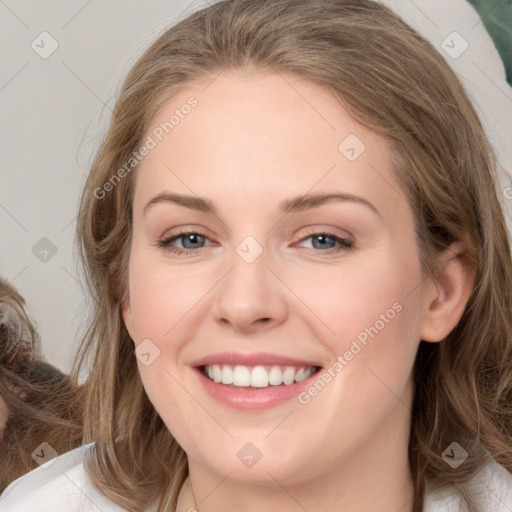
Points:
x=497 y=17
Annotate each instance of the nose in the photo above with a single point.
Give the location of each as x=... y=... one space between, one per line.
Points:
x=250 y=297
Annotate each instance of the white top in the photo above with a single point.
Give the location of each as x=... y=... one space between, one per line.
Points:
x=62 y=485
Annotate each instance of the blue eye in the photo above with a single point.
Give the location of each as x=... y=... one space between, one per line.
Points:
x=190 y=241
x=326 y=243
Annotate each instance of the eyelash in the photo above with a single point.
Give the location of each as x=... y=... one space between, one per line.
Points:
x=344 y=244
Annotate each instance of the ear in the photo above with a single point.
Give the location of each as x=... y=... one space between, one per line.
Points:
x=126 y=313
x=447 y=294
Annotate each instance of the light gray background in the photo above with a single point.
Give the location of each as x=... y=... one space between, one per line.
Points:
x=54 y=111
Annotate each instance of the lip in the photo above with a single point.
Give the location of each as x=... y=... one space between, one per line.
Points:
x=255 y=359
x=245 y=398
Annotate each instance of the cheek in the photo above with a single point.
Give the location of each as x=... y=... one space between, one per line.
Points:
x=373 y=338
x=160 y=303
x=160 y=297
x=368 y=316
x=354 y=297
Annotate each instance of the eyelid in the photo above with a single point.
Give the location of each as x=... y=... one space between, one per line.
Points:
x=344 y=243
x=329 y=231
x=166 y=240
x=183 y=230
x=192 y=228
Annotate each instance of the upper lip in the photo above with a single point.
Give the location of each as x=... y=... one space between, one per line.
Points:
x=256 y=359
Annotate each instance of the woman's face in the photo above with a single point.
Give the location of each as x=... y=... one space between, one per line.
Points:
x=275 y=275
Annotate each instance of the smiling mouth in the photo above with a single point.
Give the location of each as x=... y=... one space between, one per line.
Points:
x=240 y=376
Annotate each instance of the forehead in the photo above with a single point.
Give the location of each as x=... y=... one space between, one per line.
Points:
x=261 y=136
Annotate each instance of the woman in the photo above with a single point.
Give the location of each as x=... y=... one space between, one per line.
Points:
x=302 y=274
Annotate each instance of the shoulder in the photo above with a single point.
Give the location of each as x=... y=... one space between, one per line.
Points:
x=59 y=485
x=491 y=487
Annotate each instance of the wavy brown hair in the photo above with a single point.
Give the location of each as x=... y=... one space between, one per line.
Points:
x=43 y=404
x=392 y=81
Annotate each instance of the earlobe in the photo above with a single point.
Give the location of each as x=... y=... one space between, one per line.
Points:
x=447 y=294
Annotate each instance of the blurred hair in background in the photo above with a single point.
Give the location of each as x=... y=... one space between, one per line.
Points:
x=38 y=403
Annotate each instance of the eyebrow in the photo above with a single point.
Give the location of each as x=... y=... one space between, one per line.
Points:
x=294 y=204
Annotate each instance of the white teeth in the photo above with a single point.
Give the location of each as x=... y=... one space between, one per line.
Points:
x=289 y=375
x=301 y=375
x=275 y=376
x=241 y=376
x=227 y=375
x=257 y=376
x=217 y=373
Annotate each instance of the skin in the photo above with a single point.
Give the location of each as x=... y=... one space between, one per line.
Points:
x=254 y=140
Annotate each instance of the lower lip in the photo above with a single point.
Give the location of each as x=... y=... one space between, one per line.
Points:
x=253 y=398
